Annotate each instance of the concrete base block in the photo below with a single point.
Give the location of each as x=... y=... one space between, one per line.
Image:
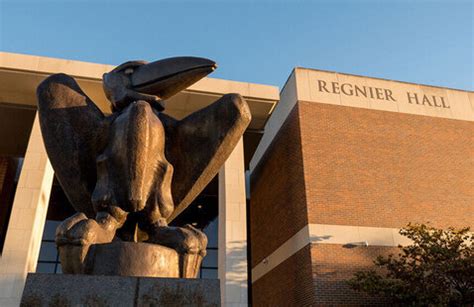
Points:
x=52 y=290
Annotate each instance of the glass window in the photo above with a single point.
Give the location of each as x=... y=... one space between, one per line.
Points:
x=209 y=273
x=209 y=263
x=48 y=251
x=50 y=230
x=211 y=259
x=45 y=267
x=59 y=209
x=48 y=261
x=211 y=231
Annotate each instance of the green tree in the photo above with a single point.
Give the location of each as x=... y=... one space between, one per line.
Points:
x=437 y=269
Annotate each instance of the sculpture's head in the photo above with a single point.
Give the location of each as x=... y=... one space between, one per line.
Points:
x=153 y=82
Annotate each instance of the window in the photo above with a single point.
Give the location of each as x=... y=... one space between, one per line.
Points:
x=209 y=263
x=48 y=261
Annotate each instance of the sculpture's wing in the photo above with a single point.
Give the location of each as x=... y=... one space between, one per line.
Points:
x=198 y=145
x=73 y=130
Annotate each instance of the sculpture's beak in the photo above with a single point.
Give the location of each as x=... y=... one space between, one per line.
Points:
x=166 y=77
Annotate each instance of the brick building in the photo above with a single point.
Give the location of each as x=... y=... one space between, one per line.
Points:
x=346 y=161
x=325 y=175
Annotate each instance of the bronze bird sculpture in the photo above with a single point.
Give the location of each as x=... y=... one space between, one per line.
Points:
x=128 y=174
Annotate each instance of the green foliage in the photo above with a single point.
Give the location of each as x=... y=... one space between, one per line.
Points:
x=437 y=269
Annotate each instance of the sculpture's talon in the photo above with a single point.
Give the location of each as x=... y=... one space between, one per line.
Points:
x=185 y=240
x=201 y=241
x=66 y=225
x=195 y=241
x=83 y=232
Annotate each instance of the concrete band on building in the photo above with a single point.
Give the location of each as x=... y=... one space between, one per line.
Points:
x=326 y=174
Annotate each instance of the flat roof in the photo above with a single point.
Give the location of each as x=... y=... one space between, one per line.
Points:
x=20 y=74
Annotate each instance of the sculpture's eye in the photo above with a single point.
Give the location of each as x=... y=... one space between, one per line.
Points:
x=128 y=71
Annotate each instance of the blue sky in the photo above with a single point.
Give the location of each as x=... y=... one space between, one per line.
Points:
x=428 y=42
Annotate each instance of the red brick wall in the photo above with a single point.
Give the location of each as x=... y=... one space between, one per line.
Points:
x=289 y=284
x=277 y=204
x=384 y=169
x=339 y=165
x=333 y=264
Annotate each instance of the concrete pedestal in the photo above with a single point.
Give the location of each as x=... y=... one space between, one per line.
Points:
x=51 y=290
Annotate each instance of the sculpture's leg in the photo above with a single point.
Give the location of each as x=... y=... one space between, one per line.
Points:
x=75 y=235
